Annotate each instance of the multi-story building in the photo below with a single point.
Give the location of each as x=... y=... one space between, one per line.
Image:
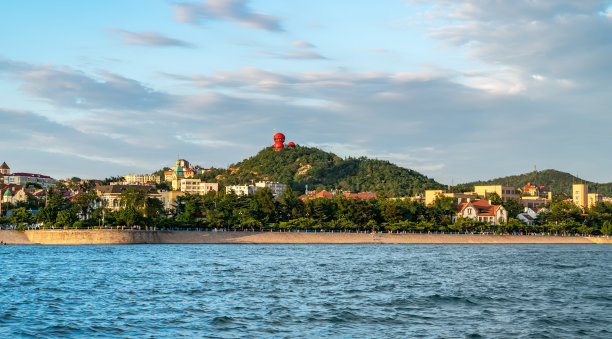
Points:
x=276 y=187
x=206 y=187
x=169 y=199
x=23 y=179
x=242 y=189
x=580 y=195
x=432 y=195
x=594 y=198
x=140 y=179
x=196 y=186
x=504 y=192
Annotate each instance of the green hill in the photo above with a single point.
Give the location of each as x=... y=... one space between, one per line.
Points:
x=557 y=181
x=319 y=169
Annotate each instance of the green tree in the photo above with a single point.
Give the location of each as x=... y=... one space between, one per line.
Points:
x=495 y=199
x=514 y=207
x=21 y=217
x=66 y=218
x=606 y=229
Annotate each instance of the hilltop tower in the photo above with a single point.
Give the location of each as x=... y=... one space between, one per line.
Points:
x=4 y=169
x=279 y=139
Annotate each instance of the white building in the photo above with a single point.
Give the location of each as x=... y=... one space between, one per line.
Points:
x=196 y=186
x=242 y=189
x=530 y=215
x=276 y=187
x=140 y=179
x=25 y=178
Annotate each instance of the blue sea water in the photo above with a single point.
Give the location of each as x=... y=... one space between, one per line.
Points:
x=353 y=291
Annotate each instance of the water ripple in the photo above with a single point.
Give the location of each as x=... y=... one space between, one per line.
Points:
x=227 y=291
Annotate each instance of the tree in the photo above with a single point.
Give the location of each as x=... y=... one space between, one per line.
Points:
x=495 y=199
x=130 y=216
x=21 y=217
x=134 y=197
x=154 y=208
x=513 y=207
x=66 y=218
x=606 y=229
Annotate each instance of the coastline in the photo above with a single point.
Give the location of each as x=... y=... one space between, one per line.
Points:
x=102 y=237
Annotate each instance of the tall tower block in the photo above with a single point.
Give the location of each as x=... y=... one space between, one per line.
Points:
x=580 y=195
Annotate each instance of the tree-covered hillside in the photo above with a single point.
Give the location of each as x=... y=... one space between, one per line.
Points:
x=319 y=169
x=557 y=181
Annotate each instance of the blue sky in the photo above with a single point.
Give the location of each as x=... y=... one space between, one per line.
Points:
x=458 y=90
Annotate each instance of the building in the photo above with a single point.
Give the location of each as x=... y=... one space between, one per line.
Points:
x=12 y=193
x=432 y=195
x=530 y=215
x=534 y=201
x=533 y=190
x=206 y=187
x=481 y=210
x=169 y=199
x=4 y=169
x=594 y=198
x=196 y=186
x=276 y=187
x=504 y=192
x=110 y=195
x=23 y=179
x=242 y=189
x=140 y=179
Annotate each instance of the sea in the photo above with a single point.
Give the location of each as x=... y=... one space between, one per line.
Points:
x=306 y=291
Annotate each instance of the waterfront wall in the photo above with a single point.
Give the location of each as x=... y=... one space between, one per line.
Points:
x=81 y=237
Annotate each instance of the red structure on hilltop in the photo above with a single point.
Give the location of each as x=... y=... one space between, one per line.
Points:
x=279 y=140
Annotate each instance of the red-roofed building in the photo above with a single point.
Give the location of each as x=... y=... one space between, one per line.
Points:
x=481 y=210
x=24 y=178
x=533 y=189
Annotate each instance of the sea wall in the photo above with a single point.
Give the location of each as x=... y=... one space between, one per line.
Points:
x=93 y=237
x=81 y=237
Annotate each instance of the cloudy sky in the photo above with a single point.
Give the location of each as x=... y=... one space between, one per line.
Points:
x=458 y=90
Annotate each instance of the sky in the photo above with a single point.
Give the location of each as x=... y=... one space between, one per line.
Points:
x=457 y=90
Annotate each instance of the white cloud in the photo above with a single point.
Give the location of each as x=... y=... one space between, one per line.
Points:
x=147 y=39
x=232 y=10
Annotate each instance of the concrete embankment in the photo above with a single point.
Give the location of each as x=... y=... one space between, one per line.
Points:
x=81 y=237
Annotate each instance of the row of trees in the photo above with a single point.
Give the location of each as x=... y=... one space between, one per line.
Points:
x=262 y=211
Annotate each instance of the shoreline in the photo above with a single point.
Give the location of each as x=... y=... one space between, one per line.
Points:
x=118 y=237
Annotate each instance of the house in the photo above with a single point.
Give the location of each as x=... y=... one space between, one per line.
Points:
x=110 y=195
x=12 y=193
x=530 y=215
x=481 y=210
x=533 y=190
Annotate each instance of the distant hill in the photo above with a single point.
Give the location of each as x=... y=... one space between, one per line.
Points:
x=557 y=181
x=319 y=169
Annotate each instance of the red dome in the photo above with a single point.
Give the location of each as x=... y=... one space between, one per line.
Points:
x=278 y=145
x=279 y=136
x=291 y=144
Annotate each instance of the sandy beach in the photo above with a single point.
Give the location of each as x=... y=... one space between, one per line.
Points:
x=81 y=237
